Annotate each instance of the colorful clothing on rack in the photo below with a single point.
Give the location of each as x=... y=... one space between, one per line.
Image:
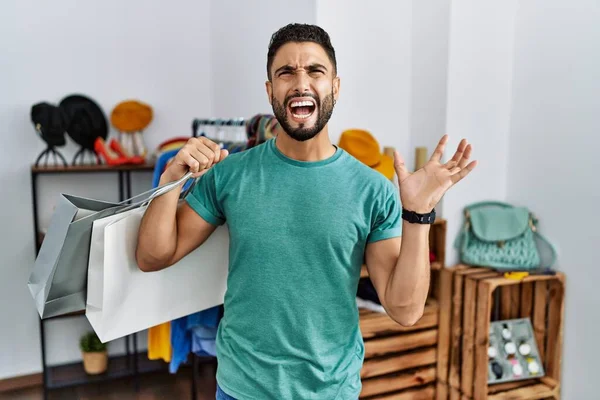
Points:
x=261 y=128
x=181 y=333
x=159 y=342
x=204 y=341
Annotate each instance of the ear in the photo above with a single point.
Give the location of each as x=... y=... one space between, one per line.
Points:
x=336 y=88
x=269 y=87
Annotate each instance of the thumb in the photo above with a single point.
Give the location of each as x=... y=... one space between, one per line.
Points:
x=224 y=153
x=400 y=167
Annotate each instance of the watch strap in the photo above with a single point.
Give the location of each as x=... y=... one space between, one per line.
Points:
x=416 y=218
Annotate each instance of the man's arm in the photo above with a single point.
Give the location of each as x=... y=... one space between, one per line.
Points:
x=399 y=269
x=169 y=232
x=169 y=229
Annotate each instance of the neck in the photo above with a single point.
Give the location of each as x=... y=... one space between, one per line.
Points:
x=316 y=149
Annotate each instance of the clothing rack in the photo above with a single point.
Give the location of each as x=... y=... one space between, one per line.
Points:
x=215 y=128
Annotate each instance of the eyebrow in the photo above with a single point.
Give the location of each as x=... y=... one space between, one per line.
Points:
x=311 y=67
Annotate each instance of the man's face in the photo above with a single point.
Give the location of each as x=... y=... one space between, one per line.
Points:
x=303 y=89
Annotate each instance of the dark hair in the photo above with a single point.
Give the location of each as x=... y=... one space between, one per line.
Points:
x=300 y=33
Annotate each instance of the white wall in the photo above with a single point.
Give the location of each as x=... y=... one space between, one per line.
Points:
x=373 y=48
x=240 y=35
x=478 y=102
x=111 y=51
x=429 y=74
x=553 y=160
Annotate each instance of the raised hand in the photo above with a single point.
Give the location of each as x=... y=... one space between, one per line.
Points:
x=421 y=190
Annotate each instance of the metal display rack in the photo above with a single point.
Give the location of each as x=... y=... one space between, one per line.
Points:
x=133 y=363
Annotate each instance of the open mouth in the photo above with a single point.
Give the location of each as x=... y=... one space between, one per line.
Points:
x=302 y=109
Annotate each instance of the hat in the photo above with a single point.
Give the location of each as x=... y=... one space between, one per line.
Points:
x=85 y=120
x=49 y=121
x=131 y=116
x=365 y=148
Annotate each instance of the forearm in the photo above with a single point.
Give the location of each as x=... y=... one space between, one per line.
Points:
x=157 y=239
x=408 y=284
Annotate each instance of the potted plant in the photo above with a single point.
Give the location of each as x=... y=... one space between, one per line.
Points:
x=94 y=352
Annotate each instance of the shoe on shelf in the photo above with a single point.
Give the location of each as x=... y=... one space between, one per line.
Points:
x=130 y=159
x=107 y=154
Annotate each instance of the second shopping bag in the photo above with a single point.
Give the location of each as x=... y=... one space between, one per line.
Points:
x=123 y=300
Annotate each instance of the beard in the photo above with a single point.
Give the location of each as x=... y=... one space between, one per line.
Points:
x=302 y=132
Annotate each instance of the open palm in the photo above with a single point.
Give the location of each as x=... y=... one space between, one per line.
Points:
x=421 y=190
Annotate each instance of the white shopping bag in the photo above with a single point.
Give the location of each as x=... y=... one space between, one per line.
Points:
x=121 y=299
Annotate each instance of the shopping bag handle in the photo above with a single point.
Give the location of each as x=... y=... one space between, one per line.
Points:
x=155 y=192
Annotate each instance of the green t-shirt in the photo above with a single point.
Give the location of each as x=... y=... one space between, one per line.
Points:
x=298 y=232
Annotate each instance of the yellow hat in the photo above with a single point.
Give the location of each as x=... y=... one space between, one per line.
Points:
x=131 y=116
x=365 y=148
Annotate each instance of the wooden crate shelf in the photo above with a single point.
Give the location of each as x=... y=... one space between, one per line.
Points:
x=373 y=323
x=409 y=341
x=426 y=392
x=468 y=304
x=399 y=381
x=535 y=389
x=400 y=362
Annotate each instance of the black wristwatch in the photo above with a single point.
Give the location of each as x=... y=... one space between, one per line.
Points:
x=417 y=218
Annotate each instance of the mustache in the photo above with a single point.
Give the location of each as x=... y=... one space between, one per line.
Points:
x=295 y=96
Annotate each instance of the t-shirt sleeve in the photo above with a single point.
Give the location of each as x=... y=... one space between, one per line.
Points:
x=204 y=199
x=388 y=222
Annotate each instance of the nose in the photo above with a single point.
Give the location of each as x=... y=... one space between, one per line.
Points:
x=302 y=82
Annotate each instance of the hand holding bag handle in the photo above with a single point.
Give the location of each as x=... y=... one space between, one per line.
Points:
x=158 y=191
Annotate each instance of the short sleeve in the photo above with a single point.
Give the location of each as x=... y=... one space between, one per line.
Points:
x=388 y=222
x=203 y=198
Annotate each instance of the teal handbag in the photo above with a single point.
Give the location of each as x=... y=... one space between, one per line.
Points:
x=501 y=236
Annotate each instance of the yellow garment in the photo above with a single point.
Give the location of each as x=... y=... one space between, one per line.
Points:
x=159 y=342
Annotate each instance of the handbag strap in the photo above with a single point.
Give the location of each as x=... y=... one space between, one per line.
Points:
x=488 y=203
x=550 y=245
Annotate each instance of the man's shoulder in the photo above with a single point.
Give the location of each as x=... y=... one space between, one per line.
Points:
x=371 y=177
x=241 y=160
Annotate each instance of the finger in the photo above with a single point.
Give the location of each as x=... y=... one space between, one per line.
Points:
x=439 y=149
x=188 y=159
x=214 y=147
x=451 y=164
x=466 y=156
x=460 y=151
x=463 y=172
x=400 y=166
x=203 y=161
x=454 y=170
x=207 y=152
x=224 y=154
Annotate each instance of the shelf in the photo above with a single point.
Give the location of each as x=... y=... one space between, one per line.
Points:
x=373 y=323
x=54 y=169
x=365 y=273
x=73 y=374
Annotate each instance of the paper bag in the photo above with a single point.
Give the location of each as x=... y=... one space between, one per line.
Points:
x=123 y=300
x=58 y=280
